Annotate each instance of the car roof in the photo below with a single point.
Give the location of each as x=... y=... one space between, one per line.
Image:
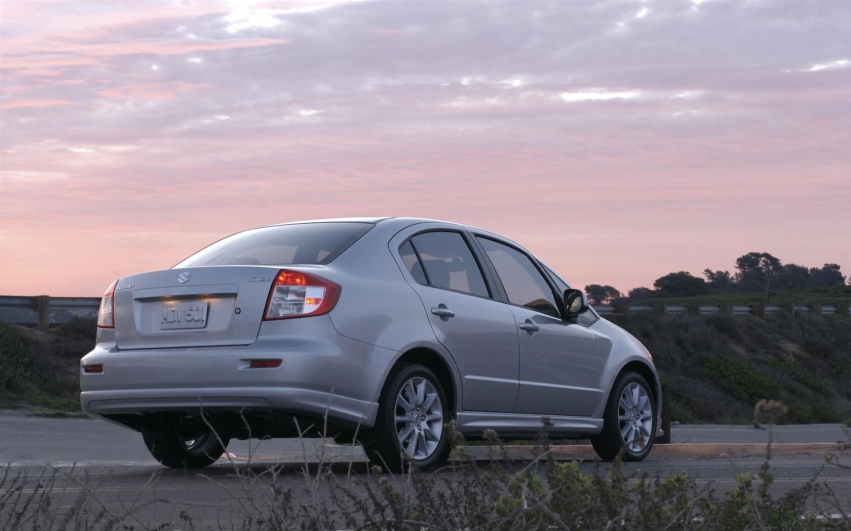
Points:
x=371 y=220
x=333 y=220
x=408 y=220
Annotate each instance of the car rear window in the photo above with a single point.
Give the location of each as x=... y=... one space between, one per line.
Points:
x=449 y=262
x=302 y=243
x=415 y=268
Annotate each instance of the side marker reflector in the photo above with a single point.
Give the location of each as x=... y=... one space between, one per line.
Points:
x=93 y=369
x=265 y=364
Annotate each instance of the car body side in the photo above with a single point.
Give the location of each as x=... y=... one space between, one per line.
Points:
x=337 y=363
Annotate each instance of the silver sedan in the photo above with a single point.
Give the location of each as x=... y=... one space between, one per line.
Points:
x=380 y=330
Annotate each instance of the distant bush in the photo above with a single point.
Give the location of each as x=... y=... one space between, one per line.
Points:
x=680 y=284
x=753 y=271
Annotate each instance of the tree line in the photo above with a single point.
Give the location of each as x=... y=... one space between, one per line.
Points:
x=753 y=271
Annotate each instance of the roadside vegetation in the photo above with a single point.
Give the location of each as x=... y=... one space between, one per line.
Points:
x=40 y=370
x=715 y=369
x=493 y=495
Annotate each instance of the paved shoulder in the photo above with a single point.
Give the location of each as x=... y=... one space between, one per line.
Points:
x=792 y=434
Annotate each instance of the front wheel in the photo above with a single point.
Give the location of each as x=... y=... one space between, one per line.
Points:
x=175 y=450
x=410 y=426
x=629 y=421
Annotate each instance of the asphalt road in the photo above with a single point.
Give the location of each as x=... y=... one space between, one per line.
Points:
x=88 y=455
x=33 y=440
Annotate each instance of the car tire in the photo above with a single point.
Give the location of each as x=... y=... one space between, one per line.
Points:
x=627 y=430
x=422 y=439
x=174 y=451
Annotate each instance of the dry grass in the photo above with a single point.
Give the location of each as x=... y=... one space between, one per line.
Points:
x=466 y=495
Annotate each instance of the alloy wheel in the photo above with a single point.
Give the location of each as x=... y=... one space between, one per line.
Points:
x=635 y=417
x=418 y=418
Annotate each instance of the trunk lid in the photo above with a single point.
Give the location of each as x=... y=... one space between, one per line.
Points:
x=192 y=307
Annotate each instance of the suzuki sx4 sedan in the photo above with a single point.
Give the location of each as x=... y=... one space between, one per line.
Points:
x=380 y=330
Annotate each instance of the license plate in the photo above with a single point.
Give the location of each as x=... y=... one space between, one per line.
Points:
x=185 y=314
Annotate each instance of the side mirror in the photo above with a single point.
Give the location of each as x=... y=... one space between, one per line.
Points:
x=575 y=303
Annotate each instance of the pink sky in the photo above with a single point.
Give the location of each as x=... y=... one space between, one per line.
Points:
x=618 y=140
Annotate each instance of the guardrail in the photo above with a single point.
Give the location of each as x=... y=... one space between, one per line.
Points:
x=43 y=311
x=759 y=309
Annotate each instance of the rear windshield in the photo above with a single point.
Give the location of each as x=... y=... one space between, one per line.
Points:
x=304 y=243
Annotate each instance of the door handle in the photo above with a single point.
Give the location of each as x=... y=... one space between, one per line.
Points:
x=529 y=326
x=443 y=312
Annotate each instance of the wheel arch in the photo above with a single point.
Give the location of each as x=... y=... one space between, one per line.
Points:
x=434 y=361
x=647 y=373
x=640 y=366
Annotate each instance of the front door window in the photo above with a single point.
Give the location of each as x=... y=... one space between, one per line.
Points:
x=523 y=283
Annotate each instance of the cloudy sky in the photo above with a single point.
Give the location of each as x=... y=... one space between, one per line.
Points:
x=617 y=139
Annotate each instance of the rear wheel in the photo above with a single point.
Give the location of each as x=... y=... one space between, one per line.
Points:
x=629 y=420
x=175 y=447
x=410 y=426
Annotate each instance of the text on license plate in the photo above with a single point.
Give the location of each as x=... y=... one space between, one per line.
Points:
x=186 y=314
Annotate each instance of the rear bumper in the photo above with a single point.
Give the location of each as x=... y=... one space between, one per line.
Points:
x=296 y=401
x=322 y=372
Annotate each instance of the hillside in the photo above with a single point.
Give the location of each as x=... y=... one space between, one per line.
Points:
x=714 y=369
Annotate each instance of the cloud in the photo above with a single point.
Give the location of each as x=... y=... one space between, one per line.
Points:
x=832 y=65
x=162 y=47
x=679 y=141
x=14 y=104
x=148 y=91
x=598 y=95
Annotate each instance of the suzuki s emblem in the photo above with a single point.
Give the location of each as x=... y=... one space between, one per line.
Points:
x=184 y=277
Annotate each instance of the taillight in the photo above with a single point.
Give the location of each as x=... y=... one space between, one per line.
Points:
x=106 y=312
x=296 y=294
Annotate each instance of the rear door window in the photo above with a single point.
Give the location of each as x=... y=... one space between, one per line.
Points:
x=301 y=243
x=449 y=263
x=523 y=282
x=415 y=268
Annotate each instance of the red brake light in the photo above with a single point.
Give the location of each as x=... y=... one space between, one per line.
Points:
x=106 y=313
x=296 y=294
x=265 y=364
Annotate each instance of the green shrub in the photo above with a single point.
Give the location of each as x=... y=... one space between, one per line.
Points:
x=801 y=375
x=16 y=370
x=80 y=327
x=41 y=369
x=738 y=377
